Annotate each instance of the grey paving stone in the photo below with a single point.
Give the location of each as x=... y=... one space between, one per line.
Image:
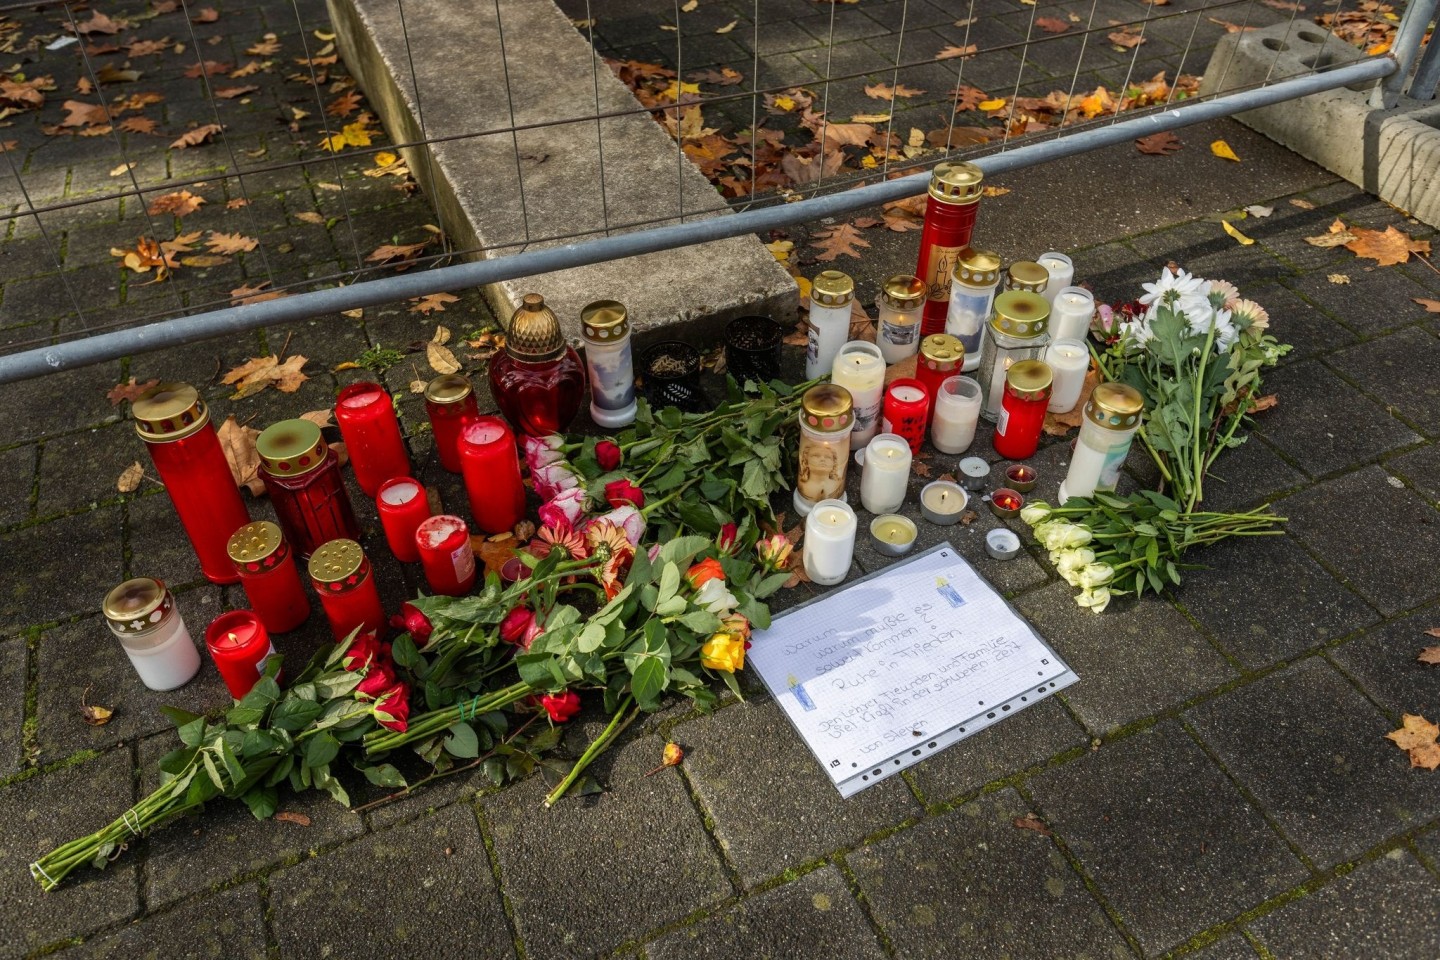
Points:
x=60 y=568
x=1246 y=476
x=14 y=660
x=1387 y=908
x=1326 y=519
x=1166 y=837
x=1206 y=250
x=1335 y=802
x=17 y=474
x=1308 y=329
x=970 y=876
x=225 y=926
x=1398 y=370
x=1374 y=301
x=39 y=814
x=813 y=917
x=84 y=404
x=1422 y=468
x=1264 y=599
x=732 y=752
x=1383 y=660
x=426 y=890
x=1232 y=947
x=1135 y=659
x=642 y=838
x=82 y=469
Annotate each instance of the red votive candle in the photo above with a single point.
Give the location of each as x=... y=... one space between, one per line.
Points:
x=1022 y=409
x=450 y=403
x=174 y=422
x=341 y=576
x=907 y=408
x=1021 y=478
x=267 y=572
x=403 y=506
x=445 y=554
x=513 y=570
x=950 y=208
x=302 y=476
x=372 y=435
x=239 y=645
x=491 y=468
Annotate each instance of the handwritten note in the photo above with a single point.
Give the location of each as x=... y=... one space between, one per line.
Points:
x=900 y=664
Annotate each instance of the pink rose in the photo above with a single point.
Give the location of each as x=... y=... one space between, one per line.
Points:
x=567 y=507
x=607 y=452
x=621 y=492
x=553 y=479
x=542 y=451
x=628 y=519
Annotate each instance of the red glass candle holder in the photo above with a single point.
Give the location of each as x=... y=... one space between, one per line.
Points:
x=539 y=381
x=267 y=572
x=942 y=356
x=403 y=506
x=302 y=476
x=372 y=435
x=513 y=570
x=950 y=208
x=907 y=408
x=1006 y=503
x=239 y=645
x=450 y=403
x=341 y=575
x=1021 y=478
x=491 y=468
x=445 y=554
x=1022 y=409
x=174 y=422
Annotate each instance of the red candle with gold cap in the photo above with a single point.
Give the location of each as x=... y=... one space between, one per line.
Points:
x=450 y=403
x=267 y=571
x=341 y=575
x=372 y=435
x=239 y=645
x=539 y=381
x=907 y=407
x=941 y=357
x=491 y=467
x=1022 y=409
x=950 y=208
x=302 y=476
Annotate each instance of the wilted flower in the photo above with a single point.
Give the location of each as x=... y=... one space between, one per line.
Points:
x=565 y=508
x=774 y=551
x=553 y=479
x=1096 y=600
x=716 y=597
x=736 y=624
x=543 y=451
x=607 y=453
x=1034 y=513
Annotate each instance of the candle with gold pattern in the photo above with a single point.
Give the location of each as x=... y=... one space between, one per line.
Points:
x=972 y=297
x=302 y=476
x=826 y=414
x=1112 y=415
x=450 y=403
x=941 y=357
x=901 y=302
x=143 y=616
x=950 y=208
x=605 y=328
x=831 y=296
x=341 y=575
x=1016 y=332
x=267 y=571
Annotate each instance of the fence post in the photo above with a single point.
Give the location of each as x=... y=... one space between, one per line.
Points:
x=1403 y=49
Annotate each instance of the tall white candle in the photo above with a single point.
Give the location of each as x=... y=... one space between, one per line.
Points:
x=831 y=295
x=957 y=409
x=829 y=542
x=886 y=474
x=1062 y=274
x=860 y=368
x=901 y=302
x=143 y=616
x=996 y=393
x=1071 y=314
x=1069 y=361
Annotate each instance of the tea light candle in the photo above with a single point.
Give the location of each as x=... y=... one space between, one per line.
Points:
x=1071 y=314
x=829 y=543
x=403 y=506
x=1020 y=477
x=1002 y=544
x=974 y=473
x=860 y=368
x=886 y=473
x=239 y=644
x=957 y=411
x=1062 y=272
x=1069 y=361
x=144 y=618
x=894 y=535
x=513 y=570
x=1006 y=503
x=942 y=502
x=445 y=555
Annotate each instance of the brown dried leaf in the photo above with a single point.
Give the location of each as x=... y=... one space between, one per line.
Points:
x=1031 y=822
x=493 y=552
x=139 y=125
x=128 y=391
x=842 y=239
x=1388 y=248
x=99 y=23
x=1338 y=235
x=345 y=104
x=1159 y=144
x=1123 y=38
x=238 y=444
x=883 y=91
x=433 y=302
x=257 y=373
x=268 y=46
x=207 y=67
x=1302 y=203
x=179 y=204
x=255 y=294
x=203 y=261
x=206 y=15
x=1431 y=306
x=1426 y=757
x=130 y=478
x=951 y=52
x=1430 y=655
x=524 y=530
x=79 y=114
x=309 y=216
x=193 y=138
x=1052 y=24
x=1059 y=424
x=399 y=255
x=229 y=244
x=1265 y=403
x=440 y=358
x=230 y=93
x=290 y=816
x=1415 y=731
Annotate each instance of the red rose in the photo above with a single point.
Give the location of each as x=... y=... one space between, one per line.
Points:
x=561 y=706
x=392 y=708
x=519 y=627
x=413 y=622
x=379 y=678
x=608 y=453
x=621 y=492
x=726 y=541
x=363 y=651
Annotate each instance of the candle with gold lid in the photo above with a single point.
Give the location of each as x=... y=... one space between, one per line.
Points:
x=267 y=571
x=538 y=381
x=901 y=302
x=143 y=616
x=605 y=328
x=950 y=207
x=1112 y=415
x=1022 y=411
x=831 y=296
x=972 y=296
x=942 y=356
x=450 y=403
x=1016 y=332
x=1027 y=275
x=826 y=414
x=302 y=475
x=341 y=575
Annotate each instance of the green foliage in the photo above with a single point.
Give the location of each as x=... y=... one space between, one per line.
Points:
x=380 y=359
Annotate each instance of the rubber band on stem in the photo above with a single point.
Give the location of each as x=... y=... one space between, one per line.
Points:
x=38 y=871
x=125 y=819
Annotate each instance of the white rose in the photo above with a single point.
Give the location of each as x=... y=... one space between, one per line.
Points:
x=716 y=598
x=1096 y=600
x=1035 y=513
x=1096 y=575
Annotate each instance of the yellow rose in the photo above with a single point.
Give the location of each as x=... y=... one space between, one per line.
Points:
x=723 y=651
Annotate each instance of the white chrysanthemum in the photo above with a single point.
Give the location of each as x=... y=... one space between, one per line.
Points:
x=1199 y=318
x=1137 y=332
x=1171 y=287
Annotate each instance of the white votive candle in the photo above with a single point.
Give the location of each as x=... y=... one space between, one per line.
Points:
x=886 y=473
x=860 y=368
x=1062 y=274
x=143 y=616
x=1069 y=361
x=1071 y=313
x=957 y=410
x=829 y=542
x=831 y=296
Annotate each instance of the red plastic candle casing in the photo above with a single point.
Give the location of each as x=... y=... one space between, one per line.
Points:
x=1022 y=409
x=372 y=435
x=267 y=572
x=174 y=422
x=403 y=506
x=239 y=645
x=906 y=410
x=302 y=476
x=445 y=553
x=941 y=357
x=950 y=209
x=491 y=468
x=539 y=381
x=450 y=403
x=341 y=575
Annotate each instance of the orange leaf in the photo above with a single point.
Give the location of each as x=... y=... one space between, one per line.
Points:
x=256 y=294
x=228 y=244
x=842 y=239
x=344 y=105
x=1052 y=24
x=138 y=125
x=288 y=816
x=1415 y=731
x=433 y=302
x=1387 y=248
x=493 y=553
x=1431 y=306
x=1124 y=39
x=883 y=91
x=951 y=52
x=1430 y=655
x=178 y=204
x=79 y=114
x=257 y=373
x=208 y=67
x=1425 y=757
x=199 y=135
x=230 y=93
x=128 y=391
x=99 y=23
x=206 y=15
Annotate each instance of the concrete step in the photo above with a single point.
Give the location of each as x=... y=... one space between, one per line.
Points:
x=490 y=200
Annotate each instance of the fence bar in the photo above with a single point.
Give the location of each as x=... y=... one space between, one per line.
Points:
x=1403 y=48
x=1427 y=75
x=217 y=323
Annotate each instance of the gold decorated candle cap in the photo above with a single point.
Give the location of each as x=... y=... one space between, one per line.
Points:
x=604 y=321
x=827 y=408
x=1026 y=275
x=338 y=565
x=941 y=351
x=534 y=331
x=448 y=388
x=978 y=268
x=1020 y=313
x=257 y=545
x=291 y=447
x=137 y=604
x=956 y=182
x=832 y=289
x=1029 y=380
x=903 y=292
x=169 y=411
x=1115 y=406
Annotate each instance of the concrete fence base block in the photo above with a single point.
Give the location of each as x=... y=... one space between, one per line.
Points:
x=1390 y=153
x=452 y=80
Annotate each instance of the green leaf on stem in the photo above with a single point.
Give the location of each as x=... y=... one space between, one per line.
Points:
x=462 y=743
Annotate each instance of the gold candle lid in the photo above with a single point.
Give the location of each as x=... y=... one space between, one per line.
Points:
x=338 y=565
x=956 y=182
x=534 y=331
x=1029 y=380
x=1115 y=406
x=604 y=321
x=832 y=289
x=1026 y=275
x=257 y=545
x=977 y=268
x=827 y=408
x=137 y=604
x=448 y=388
x=291 y=447
x=942 y=351
x=169 y=411
x=903 y=292
x=1021 y=313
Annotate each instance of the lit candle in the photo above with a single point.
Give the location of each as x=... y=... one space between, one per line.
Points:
x=402 y=506
x=901 y=303
x=491 y=468
x=1022 y=411
x=860 y=369
x=1018 y=331
x=267 y=571
x=829 y=542
x=1062 y=273
x=366 y=417
x=1071 y=315
x=340 y=574
x=907 y=409
x=513 y=570
x=893 y=534
x=957 y=410
x=445 y=554
x=1020 y=477
x=143 y=616
x=886 y=473
x=239 y=645
x=942 y=502
x=1069 y=361
x=831 y=297
x=1006 y=502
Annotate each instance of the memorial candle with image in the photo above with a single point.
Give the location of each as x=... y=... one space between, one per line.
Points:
x=902 y=300
x=825 y=417
x=831 y=296
x=605 y=328
x=950 y=207
x=972 y=296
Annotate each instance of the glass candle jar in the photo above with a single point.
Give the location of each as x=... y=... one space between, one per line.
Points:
x=1016 y=332
x=445 y=554
x=1112 y=415
x=239 y=645
x=1059 y=271
x=907 y=409
x=831 y=296
x=1027 y=275
x=1022 y=411
x=886 y=474
x=267 y=572
x=539 y=381
x=829 y=544
x=670 y=374
x=367 y=421
x=972 y=295
x=1071 y=314
x=941 y=357
x=403 y=506
x=605 y=328
x=450 y=404
x=950 y=208
x=901 y=303
x=957 y=411
x=143 y=616
x=341 y=575
x=860 y=369
x=491 y=468
x=826 y=412
x=174 y=422
x=302 y=477
x=1069 y=361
